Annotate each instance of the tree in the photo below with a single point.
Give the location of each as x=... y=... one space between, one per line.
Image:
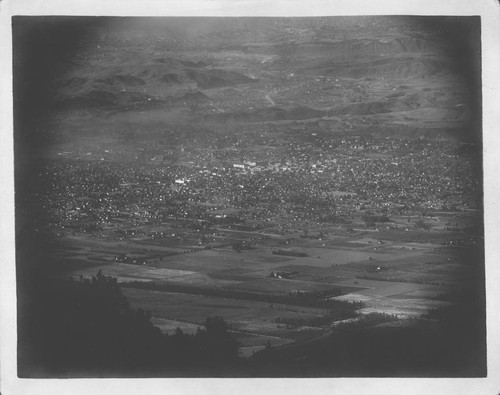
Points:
x=216 y=344
x=216 y=326
x=178 y=332
x=237 y=246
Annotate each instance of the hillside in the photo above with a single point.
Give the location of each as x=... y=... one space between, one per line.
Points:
x=376 y=71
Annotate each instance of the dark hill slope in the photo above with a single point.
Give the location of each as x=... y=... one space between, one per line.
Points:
x=109 y=82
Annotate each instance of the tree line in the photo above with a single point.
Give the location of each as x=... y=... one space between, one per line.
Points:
x=321 y=299
x=87 y=328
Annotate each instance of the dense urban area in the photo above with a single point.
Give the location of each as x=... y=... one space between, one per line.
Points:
x=328 y=179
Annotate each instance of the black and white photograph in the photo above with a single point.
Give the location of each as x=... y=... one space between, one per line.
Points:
x=208 y=196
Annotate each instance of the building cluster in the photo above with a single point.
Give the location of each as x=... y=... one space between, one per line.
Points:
x=315 y=177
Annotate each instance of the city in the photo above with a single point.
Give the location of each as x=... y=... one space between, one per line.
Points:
x=307 y=187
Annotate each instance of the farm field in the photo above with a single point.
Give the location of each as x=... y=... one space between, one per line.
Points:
x=253 y=323
x=402 y=299
x=389 y=275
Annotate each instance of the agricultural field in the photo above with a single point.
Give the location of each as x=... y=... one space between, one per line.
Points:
x=384 y=271
x=252 y=323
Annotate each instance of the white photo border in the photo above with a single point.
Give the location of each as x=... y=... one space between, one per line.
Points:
x=488 y=10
